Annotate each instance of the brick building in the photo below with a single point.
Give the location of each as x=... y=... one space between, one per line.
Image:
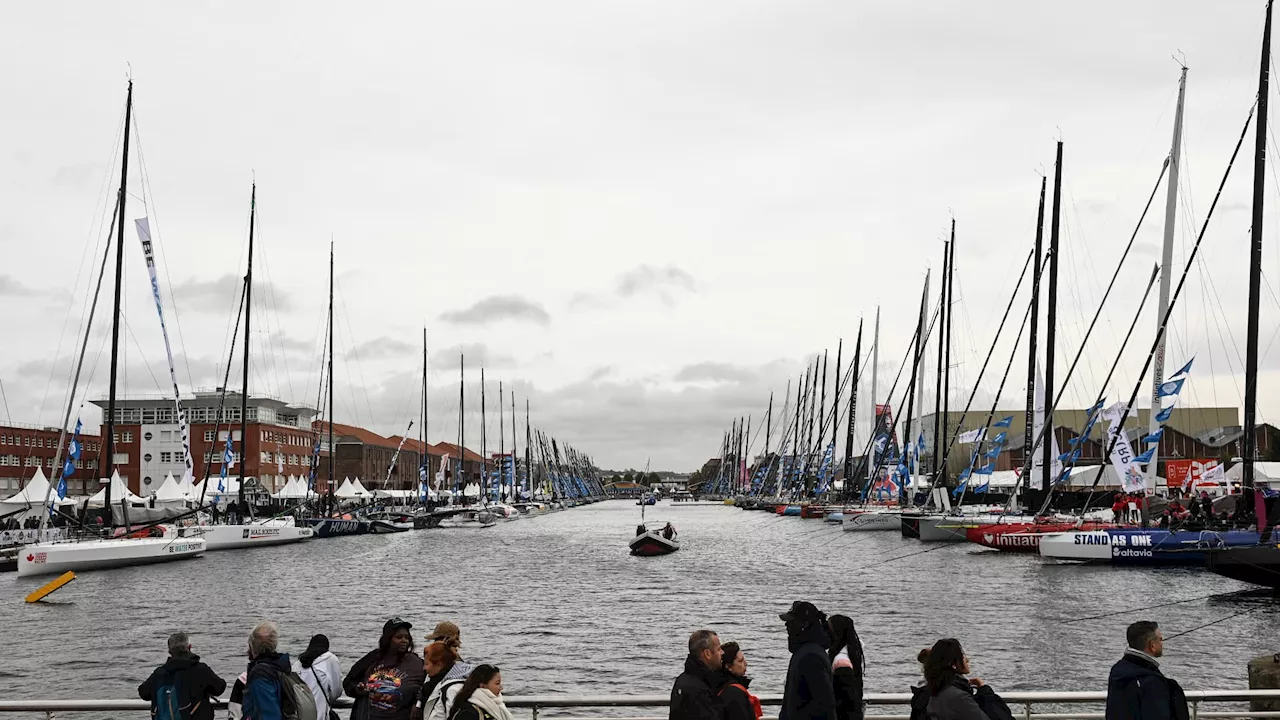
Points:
x=149 y=443
x=367 y=455
x=24 y=448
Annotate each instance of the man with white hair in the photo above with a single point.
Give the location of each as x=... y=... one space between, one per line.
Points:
x=180 y=688
x=263 y=692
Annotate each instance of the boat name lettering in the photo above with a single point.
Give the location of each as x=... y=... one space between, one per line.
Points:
x=260 y=533
x=1018 y=540
x=1095 y=539
x=1130 y=552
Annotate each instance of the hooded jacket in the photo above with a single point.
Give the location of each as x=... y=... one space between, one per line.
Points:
x=808 y=694
x=738 y=702
x=958 y=701
x=195 y=683
x=846 y=681
x=439 y=703
x=1137 y=690
x=324 y=678
x=693 y=697
x=263 y=694
x=392 y=683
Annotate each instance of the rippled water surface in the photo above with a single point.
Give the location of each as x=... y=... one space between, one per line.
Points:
x=558 y=603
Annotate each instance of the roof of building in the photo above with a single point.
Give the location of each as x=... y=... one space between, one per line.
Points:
x=451 y=449
x=344 y=432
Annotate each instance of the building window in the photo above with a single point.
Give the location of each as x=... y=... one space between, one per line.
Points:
x=128 y=436
x=147 y=436
x=166 y=457
x=146 y=481
x=120 y=459
x=208 y=436
x=146 y=458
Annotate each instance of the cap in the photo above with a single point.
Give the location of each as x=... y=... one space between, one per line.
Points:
x=396 y=623
x=445 y=630
x=801 y=610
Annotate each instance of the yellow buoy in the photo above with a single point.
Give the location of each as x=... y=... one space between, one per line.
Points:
x=48 y=588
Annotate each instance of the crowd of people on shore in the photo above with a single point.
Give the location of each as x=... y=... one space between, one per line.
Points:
x=390 y=682
x=824 y=679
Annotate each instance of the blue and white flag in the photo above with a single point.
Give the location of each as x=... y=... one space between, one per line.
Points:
x=73 y=454
x=1164 y=415
x=980 y=489
x=1154 y=437
x=1000 y=438
x=1185 y=369
x=985 y=469
x=1145 y=457
x=1004 y=422
x=994 y=452
x=1173 y=387
x=960 y=488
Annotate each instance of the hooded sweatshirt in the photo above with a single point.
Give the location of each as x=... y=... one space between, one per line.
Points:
x=1137 y=690
x=808 y=694
x=195 y=683
x=324 y=678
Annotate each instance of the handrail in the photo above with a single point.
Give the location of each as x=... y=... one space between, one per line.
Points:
x=1023 y=702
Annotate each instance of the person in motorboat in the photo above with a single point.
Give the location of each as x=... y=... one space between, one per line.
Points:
x=481 y=696
x=640 y=530
x=808 y=692
x=693 y=696
x=446 y=672
x=947 y=694
x=669 y=531
x=263 y=690
x=1136 y=689
x=848 y=663
x=183 y=683
x=736 y=699
x=320 y=670
x=385 y=681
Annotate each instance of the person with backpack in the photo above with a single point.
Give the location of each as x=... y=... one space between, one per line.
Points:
x=736 y=700
x=947 y=694
x=481 y=696
x=847 y=666
x=319 y=669
x=271 y=690
x=180 y=688
x=385 y=682
x=446 y=672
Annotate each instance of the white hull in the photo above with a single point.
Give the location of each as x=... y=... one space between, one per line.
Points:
x=1077 y=546
x=873 y=520
x=57 y=558
x=232 y=537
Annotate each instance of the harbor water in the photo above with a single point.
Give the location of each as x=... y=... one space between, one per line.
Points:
x=560 y=606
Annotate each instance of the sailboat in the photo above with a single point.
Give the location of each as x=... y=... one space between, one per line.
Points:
x=648 y=543
x=46 y=558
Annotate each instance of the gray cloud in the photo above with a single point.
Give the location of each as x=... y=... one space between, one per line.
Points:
x=382 y=347
x=11 y=286
x=477 y=355
x=714 y=372
x=601 y=373
x=497 y=308
x=218 y=295
x=78 y=177
x=664 y=283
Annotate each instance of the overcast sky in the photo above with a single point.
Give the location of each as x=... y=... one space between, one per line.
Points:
x=645 y=215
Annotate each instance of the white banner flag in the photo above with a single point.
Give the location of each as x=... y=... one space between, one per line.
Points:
x=971 y=437
x=144 y=235
x=1132 y=479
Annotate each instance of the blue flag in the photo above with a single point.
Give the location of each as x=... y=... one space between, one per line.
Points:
x=999 y=439
x=1164 y=415
x=980 y=489
x=964 y=474
x=1173 y=387
x=1004 y=422
x=1154 y=437
x=993 y=453
x=1145 y=457
x=960 y=488
x=985 y=469
x=1185 y=368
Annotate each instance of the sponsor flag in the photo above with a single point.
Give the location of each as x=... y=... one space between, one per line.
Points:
x=1185 y=369
x=1004 y=422
x=1173 y=387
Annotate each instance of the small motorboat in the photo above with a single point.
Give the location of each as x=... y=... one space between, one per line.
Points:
x=648 y=543
x=389 y=522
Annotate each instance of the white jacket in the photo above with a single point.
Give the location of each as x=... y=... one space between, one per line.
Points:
x=447 y=690
x=324 y=677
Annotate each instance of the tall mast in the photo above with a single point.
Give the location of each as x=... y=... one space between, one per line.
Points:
x=244 y=390
x=1038 y=481
x=922 y=346
x=332 y=452
x=768 y=427
x=462 y=427
x=875 y=409
x=528 y=446
x=121 y=196
x=801 y=390
x=746 y=452
x=1051 y=322
x=942 y=339
x=1248 y=443
x=946 y=366
x=835 y=409
x=426 y=454
x=515 y=468
x=855 y=371
x=484 y=443
x=1166 y=273
x=908 y=443
x=502 y=445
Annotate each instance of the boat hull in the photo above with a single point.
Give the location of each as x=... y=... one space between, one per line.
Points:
x=1021 y=537
x=872 y=521
x=57 y=558
x=232 y=537
x=383 y=527
x=1142 y=547
x=1257 y=565
x=652 y=543
x=333 y=527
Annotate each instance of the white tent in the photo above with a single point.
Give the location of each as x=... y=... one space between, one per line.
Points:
x=471 y=490
x=187 y=488
x=169 y=491
x=230 y=486
x=359 y=489
x=119 y=491
x=295 y=489
x=1263 y=472
x=26 y=503
x=140 y=510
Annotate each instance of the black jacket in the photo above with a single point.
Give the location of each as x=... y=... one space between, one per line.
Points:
x=467 y=711
x=808 y=693
x=195 y=682
x=846 y=682
x=958 y=701
x=693 y=697
x=736 y=702
x=1137 y=690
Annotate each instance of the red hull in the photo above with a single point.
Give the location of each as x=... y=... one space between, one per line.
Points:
x=1023 y=537
x=809 y=512
x=651 y=544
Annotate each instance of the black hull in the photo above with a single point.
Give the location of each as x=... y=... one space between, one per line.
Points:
x=911 y=525
x=1258 y=565
x=330 y=527
x=651 y=544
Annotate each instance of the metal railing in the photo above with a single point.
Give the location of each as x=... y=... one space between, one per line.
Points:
x=1023 y=704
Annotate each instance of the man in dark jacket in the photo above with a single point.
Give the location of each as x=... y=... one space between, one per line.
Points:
x=808 y=694
x=1136 y=689
x=694 y=696
x=193 y=682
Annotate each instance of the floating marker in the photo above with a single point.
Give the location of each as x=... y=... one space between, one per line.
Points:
x=47 y=589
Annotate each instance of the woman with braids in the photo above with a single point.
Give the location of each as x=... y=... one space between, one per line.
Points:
x=481 y=696
x=847 y=666
x=947 y=694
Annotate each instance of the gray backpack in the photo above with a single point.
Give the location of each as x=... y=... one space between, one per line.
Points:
x=296 y=699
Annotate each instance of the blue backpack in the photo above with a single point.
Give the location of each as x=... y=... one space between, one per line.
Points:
x=167 y=704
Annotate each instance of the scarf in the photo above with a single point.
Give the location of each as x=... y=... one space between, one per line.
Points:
x=491 y=704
